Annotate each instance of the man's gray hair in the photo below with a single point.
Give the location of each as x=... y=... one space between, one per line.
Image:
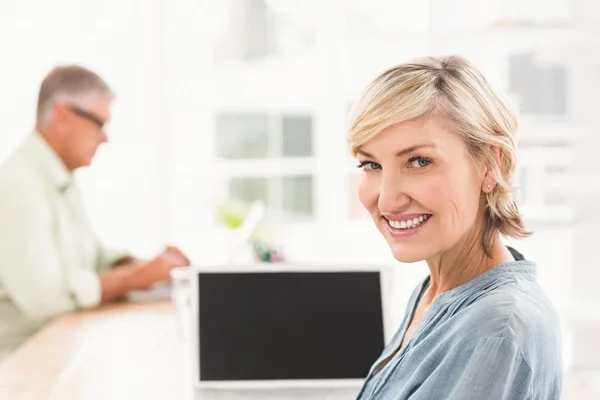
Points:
x=71 y=84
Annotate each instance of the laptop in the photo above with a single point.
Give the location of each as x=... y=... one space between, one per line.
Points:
x=286 y=331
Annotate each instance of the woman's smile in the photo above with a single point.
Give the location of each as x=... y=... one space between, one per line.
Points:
x=407 y=225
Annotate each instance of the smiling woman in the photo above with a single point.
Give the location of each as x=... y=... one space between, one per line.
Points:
x=435 y=143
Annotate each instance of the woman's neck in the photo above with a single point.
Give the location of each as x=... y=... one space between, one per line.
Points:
x=463 y=263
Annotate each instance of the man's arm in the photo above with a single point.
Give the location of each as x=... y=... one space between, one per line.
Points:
x=134 y=275
x=110 y=258
x=35 y=276
x=125 y=261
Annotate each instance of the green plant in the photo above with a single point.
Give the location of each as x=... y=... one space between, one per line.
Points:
x=231 y=213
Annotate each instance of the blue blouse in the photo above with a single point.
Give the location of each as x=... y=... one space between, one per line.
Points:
x=496 y=337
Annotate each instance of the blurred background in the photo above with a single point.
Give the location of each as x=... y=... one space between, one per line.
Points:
x=248 y=100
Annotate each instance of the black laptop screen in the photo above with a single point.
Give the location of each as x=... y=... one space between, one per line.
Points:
x=289 y=325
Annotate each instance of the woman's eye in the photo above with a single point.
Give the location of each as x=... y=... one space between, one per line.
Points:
x=369 y=165
x=419 y=162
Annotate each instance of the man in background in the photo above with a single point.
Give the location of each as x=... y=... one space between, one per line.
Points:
x=51 y=261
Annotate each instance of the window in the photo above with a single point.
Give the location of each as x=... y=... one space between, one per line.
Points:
x=296 y=141
x=242 y=136
x=556 y=195
x=542 y=180
x=539 y=89
x=268 y=158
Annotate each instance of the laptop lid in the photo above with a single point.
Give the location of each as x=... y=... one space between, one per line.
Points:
x=274 y=325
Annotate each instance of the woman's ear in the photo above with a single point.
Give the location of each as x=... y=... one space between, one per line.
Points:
x=489 y=181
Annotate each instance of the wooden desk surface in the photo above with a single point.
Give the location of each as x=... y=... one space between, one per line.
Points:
x=121 y=351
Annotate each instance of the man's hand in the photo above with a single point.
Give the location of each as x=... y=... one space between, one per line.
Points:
x=135 y=274
x=158 y=269
x=175 y=256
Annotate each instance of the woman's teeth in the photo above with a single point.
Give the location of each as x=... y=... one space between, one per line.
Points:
x=409 y=223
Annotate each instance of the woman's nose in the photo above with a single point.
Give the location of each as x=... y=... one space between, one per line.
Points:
x=392 y=195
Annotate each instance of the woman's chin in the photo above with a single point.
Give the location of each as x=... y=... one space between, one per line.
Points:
x=408 y=256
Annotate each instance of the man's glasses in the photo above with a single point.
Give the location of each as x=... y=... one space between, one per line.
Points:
x=87 y=115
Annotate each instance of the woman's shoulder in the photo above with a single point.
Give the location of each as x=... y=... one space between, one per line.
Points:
x=519 y=312
x=505 y=301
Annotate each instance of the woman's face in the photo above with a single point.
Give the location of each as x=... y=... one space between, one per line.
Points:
x=421 y=187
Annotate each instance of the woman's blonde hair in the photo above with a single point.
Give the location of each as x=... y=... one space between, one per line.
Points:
x=454 y=88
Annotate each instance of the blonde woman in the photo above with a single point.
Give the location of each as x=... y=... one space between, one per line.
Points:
x=435 y=143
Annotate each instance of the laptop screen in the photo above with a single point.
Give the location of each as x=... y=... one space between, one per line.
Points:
x=289 y=325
